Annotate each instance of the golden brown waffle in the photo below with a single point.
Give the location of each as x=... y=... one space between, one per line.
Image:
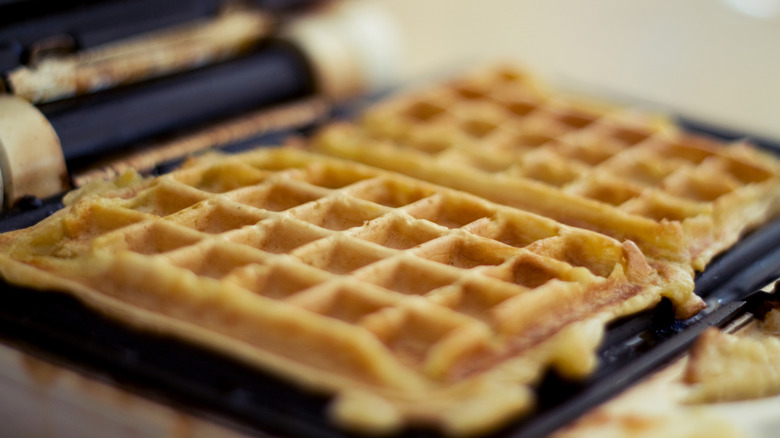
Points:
x=727 y=367
x=500 y=134
x=411 y=303
x=724 y=387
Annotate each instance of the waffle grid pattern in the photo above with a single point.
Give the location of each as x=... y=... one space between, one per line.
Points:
x=504 y=123
x=413 y=303
x=363 y=278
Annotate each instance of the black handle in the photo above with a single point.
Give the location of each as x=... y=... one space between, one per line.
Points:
x=90 y=23
x=87 y=23
x=94 y=124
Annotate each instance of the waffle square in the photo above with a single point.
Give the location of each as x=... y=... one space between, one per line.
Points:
x=411 y=303
x=503 y=135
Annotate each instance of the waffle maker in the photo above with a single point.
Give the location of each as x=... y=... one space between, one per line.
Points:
x=105 y=85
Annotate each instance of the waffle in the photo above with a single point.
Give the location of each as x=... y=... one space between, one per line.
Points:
x=726 y=367
x=655 y=407
x=412 y=304
x=726 y=386
x=501 y=134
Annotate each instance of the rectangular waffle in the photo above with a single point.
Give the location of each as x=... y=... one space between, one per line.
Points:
x=501 y=134
x=411 y=303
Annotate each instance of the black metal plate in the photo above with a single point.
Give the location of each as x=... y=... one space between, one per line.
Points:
x=60 y=328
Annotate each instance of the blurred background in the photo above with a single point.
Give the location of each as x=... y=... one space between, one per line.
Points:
x=714 y=61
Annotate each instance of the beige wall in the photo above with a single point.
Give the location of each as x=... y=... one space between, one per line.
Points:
x=700 y=58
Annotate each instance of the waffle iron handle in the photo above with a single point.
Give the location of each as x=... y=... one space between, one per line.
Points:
x=104 y=122
x=331 y=54
x=344 y=51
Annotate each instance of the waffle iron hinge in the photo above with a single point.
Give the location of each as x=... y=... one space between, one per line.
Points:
x=31 y=159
